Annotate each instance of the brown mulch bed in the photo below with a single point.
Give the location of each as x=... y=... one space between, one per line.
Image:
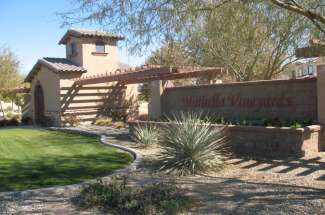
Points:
x=247 y=186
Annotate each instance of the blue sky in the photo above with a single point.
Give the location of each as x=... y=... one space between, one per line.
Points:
x=31 y=29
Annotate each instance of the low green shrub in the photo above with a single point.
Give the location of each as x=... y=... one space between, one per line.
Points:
x=119 y=115
x=118 y=197
x=72 y=120
x=108 y=121
x=274 y=122
x=4 y=122
x=146 y=135
x=296 y=125
x=190 y=146
x=26 y=120
x=46 y=121
x=13 y=122
x=287 y=123
x=118 y=125
x=104 y=121
x=9 y=114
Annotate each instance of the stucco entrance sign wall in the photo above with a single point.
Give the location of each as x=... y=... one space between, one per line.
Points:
x=283 y=99
x=39 y=103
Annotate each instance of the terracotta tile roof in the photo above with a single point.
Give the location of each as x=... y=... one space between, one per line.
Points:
x=62 y=65
x=89 y=33
x=57 y=65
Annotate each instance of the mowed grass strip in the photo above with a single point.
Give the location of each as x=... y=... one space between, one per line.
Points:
x=37 y=158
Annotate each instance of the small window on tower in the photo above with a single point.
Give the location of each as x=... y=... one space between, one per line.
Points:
x=310 y=70
x=72 y=50
x=100 y=47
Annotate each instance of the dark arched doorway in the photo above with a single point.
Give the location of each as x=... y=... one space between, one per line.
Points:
x=39 y=103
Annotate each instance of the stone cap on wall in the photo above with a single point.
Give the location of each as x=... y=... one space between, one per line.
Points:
x=247 y=83
x=311 y=128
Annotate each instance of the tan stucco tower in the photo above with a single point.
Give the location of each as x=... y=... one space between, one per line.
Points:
x=94 y=50
x=53 y=93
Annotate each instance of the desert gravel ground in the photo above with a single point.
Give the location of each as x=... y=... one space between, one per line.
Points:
x=281 y=187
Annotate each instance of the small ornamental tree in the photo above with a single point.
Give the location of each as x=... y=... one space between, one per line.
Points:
x=9 y=78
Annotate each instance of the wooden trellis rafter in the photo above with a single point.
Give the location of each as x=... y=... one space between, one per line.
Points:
x=22 y=90
x=316 y=49
x=140 y=75
x=149 y=73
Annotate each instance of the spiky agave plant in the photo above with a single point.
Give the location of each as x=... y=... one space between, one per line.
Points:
x=145 y=135
x=190 y=146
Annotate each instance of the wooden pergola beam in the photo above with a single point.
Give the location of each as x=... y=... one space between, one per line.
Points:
x=118 y=75
x=149 y=73
x=23 y=90
x=94 y=88
x=175 y=76
x=310 y=52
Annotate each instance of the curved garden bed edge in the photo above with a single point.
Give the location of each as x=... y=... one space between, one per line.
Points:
x=74 y=187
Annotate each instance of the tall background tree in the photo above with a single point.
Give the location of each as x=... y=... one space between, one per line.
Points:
x=313 y=10
x=9 y=78
x=171 y=53
x=255 y=39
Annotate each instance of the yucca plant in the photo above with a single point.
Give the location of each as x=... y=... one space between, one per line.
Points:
x=145 y=135
x=190 y=146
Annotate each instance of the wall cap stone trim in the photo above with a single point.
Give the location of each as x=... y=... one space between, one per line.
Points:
x=260 y=82
x=311 y=128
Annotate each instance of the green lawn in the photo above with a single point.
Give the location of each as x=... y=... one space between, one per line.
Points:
x=36 y=158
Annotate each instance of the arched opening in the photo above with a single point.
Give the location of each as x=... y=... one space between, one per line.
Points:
x=39 y=103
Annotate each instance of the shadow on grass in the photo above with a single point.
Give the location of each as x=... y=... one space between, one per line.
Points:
x=59 y=170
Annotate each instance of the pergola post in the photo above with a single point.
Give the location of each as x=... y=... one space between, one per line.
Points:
x=321 y=103
x=154 y=106
x=156 y=90
x=321 y=93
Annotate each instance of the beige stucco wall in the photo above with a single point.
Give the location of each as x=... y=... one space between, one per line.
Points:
x=88 y=58
x=74 y=101
x=77 y=57
x=58 y=99
x=50 y=83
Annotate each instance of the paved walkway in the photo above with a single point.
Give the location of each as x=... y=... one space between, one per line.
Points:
x=246 y=187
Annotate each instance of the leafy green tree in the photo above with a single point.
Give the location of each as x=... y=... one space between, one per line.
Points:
x=9 y=76
x=255 y=43
x=246 y=38
x=171 y=53
x=147 y=21
x=144 y=92
x=313 y=10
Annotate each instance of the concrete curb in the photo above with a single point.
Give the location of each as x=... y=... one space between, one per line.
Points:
x=75 y=187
